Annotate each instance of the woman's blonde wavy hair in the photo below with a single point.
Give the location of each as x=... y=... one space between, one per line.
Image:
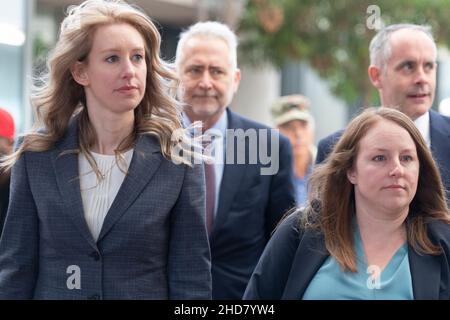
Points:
x=58 y=97
x=332 y=202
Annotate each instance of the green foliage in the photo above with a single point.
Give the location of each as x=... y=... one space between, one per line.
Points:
x=40 y=50
x=332 y=35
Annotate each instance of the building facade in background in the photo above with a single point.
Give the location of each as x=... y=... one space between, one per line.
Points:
x=29 y=28
x=15 y=59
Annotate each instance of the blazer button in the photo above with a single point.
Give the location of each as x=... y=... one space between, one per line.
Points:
x=94 y=297
x=94 y=255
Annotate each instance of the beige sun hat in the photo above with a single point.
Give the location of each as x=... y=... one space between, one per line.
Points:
x=292 y=107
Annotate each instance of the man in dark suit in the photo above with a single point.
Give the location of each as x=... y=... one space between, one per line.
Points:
x=403 y=69
x=252 y=185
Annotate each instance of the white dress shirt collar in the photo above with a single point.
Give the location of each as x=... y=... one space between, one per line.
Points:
x=423 y=124
x=220 y=125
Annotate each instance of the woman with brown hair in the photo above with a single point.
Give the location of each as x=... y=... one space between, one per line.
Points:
x=377 y=225
x=98 y=208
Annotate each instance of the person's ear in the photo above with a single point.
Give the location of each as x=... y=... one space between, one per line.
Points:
x=237 y=79
x=79 y=74
x=375 y=76
x=351 y=175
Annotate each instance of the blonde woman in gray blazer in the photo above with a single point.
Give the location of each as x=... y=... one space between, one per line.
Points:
x=100 y=207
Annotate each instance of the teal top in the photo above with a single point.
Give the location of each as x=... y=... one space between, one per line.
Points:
x=331 y=283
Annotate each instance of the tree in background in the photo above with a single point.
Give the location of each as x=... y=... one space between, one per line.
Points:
x=332 y=36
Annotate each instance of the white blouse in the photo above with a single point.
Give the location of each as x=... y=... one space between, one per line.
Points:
x=97 y=196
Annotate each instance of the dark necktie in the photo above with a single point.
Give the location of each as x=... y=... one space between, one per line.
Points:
x=210 y=177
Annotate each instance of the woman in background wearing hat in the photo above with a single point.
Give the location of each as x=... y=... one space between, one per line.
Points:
x=292 y=117
x=6 y=146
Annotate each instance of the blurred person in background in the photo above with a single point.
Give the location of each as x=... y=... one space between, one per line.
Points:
x=7 y=131
x=292 y=117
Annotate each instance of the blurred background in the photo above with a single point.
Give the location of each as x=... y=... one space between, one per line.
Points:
x=318 y=48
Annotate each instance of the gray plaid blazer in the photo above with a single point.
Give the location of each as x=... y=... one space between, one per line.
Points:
x=153 y=243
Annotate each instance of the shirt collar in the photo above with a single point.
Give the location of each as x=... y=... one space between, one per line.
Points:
x=221 y=124
x=423 y=124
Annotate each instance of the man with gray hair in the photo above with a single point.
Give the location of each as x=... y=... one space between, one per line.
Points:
x=403 y=69
x=243 y=205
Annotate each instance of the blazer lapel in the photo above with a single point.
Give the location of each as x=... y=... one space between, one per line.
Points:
x=425 y=275
x=65 y=163
x=145 y=162
x=232 y=175
x=311 y=254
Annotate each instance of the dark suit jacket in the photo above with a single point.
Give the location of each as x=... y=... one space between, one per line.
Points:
x=440 y=146
x=250 y=206
x=4 y=198
x=153 y=243
x=293 y=256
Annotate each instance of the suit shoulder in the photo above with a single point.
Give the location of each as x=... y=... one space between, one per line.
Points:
x=438 y=120
x=440 y=231
x=238 y=121
x=446 y=118
x=290 y=225
x=326 y=145
x=332 y=138
x=246 y=123
x=434 y=113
